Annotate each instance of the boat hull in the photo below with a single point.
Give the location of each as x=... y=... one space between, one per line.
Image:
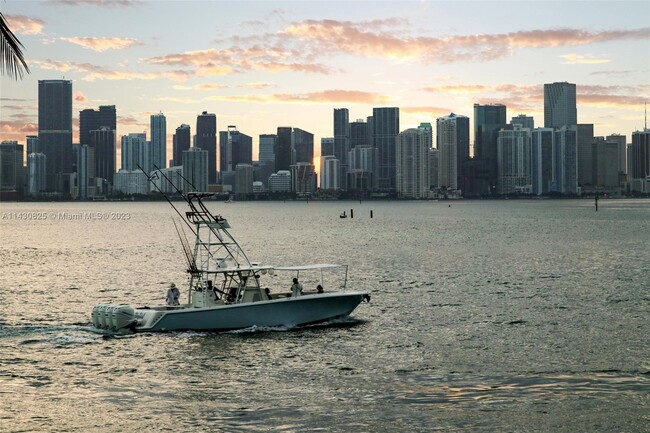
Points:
x=286 y=312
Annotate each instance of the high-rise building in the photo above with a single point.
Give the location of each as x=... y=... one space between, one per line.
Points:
x=103 y=141
x=91 y=120
x=303 y=146
x=385 y=124
x=514 y=160
x=37 y=172
x=303 y=178
x=267 y=144
x=55 y=131
x=86 y=172
x=433 y=168
x=136 y=153
x=283 y=148
x=327 y=146
x=543 y=144
x=621 y=141
x=243 y=180
x=195 y=169
x=639 y=161
x=488 y=121
x=560 y=105
x=524 y=121
x=12 y=170
x=584 y=139
x=362 y=172
x=234 y=148
x=342 y=141
x=206 y=139
x=182 y=142
x=32 y=144
x=158 y=146
x=605 y=165
x=412 y=163
x=359 y=134
x=565 y=164
x=452 y=139
x=330 y=171
x=280 y=181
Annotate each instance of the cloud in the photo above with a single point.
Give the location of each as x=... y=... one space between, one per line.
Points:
x=582 y=59
x=431 y=111
x=236 y=60
x=17 y=130
x=80 y=97
x=325 y=96
x=257 y=85
x=178 y=100
x=201 y=87
x=103 y=44
x=23 y=25
x=95 y=72
x=368 y=40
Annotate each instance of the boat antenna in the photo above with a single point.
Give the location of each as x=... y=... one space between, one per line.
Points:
x=186 y=249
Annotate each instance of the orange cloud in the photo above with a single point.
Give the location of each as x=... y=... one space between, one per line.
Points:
x=582 y=59
x=23 y=25
x=365 y=40
x=431 y=111
x=17 y=130
x=95 y=72
x=80 y=97
x=325 y=96
x=103 y=44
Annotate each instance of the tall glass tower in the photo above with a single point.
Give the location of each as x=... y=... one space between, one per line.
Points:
x=55 y=131
x=206 y=139
x=385 y=127
x=560 y=105
x=158 y=148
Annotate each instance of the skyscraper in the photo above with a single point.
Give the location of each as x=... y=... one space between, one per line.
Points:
x=543 y=144
x=158 y=147
x=488 y=121
x=55 y=131
x=329 y=172
x=135 y=152
x=565 y=163
x=560 y=105
x=342 y=141
x=103 y=141
x=182 y=142
x=90 y=120
x=267 y=144
x=206 y=139
x=303 y=146
x=621 y=140
x=234 y=148
x=639 y=162
x=584 y=139
x=283 y=147
x=524 y=121
x=359 y=134
x=385 y=123
x=412 y=163
x=195 y=169
x=452 y=138
x=514 y=160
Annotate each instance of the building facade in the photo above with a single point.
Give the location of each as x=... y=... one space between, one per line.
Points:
x=206 y=139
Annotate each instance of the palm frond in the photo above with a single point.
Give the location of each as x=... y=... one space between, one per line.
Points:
x=12 y=61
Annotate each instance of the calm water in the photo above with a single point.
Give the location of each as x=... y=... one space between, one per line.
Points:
x=485 y=316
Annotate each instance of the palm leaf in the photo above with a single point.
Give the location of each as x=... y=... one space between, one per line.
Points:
x=12 y=61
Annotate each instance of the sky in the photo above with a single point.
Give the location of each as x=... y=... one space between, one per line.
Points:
x=263 y=64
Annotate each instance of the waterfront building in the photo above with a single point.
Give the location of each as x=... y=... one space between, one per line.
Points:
x=359 y=134
x=12 y=171
x=303 y=178
x=385 y=124
x=283 y=148
x=103 y=141
x=514 y=153
x=433 y=168
x=32 y=144
x=560 y=105
x=280 y=181
x=488 y=121
x=330 y=168
x=206 y=139
x=543 y=145
x=235 y=148
x=452 y=139
x=86 y=172
x=158 y=146
x=605 y=174
x=412 y=174
x=565 y=165
x=37 y=172
x=584 y=141
x=130 y=182
x=639 y=156
x=243 y=180
x=55 y=132
x=302 y=146
x=169 y=181
x=136 y=153
x=91 y=120
x=621 y=141
x=342 y=141
x=362 y=172
x=195 y=169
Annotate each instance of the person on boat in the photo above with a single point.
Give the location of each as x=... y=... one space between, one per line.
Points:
x=296 y=288
x=173 y=294
x=319 y=288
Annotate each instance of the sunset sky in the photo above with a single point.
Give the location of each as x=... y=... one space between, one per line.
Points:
x=260 y=65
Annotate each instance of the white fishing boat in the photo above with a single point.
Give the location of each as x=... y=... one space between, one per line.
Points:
x=227 y=291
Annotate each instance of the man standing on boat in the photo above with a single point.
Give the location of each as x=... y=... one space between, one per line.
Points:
x=172 y=295
x=296 y=288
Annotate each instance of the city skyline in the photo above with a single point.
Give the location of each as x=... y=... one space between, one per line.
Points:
x=261 y=65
